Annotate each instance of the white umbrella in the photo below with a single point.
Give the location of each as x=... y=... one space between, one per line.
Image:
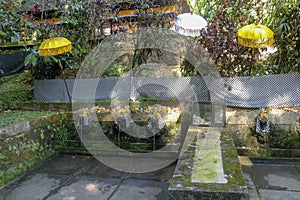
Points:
x=189 y=24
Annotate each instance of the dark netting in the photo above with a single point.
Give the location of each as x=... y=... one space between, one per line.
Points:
x=182 y=89
x=280 y=90
x=49 y=90
x=249 y=92
x=155 y=91
x=12 y=63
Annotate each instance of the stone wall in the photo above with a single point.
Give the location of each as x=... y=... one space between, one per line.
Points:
x=247 y=117
x=24 y=144
x=282 y=140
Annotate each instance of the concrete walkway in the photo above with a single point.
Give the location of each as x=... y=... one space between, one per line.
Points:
x=67 y=177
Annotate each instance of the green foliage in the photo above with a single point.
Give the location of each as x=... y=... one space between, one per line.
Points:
x=20 y=81
x=1 y=106
x=278 y=137
x=187 y=69
x=11 y=20
x=244 y=137
x=226 y=17
x=42 y=67
x=18 y=156
x=219 y=38
x=115 y=70
x=15 y=88
x=145 y=98
x=15 y=171
x=8 y=97
x=77 y=25
x=78 y=22
x=60 y=134
x=205 y=8
x=285 y=139
x=141 y=56
x=18 y=116
x=284 y=17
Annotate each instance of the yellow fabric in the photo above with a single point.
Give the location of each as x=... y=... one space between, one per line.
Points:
x=165 y=9
x=255 y=36
x=264 y=115
x=127 y=12
x=47 y=21
x=55 y=46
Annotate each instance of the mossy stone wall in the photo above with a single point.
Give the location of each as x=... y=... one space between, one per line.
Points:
x=282 y=140
x=25 y=144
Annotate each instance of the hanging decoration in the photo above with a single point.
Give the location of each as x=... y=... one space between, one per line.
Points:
x=189 y=24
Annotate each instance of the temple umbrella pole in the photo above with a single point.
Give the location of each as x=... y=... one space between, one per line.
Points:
x=55 y=46
x=64 y=78
x=252 y=63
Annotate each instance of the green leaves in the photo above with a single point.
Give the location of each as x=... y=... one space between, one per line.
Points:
x=31 y=59
x=283 y=17
x=285 y=20
x=18 y=116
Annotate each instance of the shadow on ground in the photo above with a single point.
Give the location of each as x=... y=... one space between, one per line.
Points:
x=74 y=177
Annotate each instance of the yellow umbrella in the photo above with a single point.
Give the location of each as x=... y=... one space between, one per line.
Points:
x=255 y=36
x=56 y=46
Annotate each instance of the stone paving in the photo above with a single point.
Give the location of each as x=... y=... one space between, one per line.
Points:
x=272 y=179
x=73 y=177
x=67 y=177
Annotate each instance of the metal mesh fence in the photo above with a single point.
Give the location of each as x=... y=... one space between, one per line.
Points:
x=249 y=92
x=263 y=91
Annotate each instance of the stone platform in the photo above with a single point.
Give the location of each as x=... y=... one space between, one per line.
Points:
x=208 y=168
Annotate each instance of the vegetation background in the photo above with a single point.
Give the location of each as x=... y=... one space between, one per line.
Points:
x=79 y=19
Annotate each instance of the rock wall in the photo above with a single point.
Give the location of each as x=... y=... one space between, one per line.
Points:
x=247 y=117
x=283 y=137
x=24 y=144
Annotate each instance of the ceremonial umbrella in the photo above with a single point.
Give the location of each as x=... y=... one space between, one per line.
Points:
x=189 y=24
x=56 y=46
x=255 y=36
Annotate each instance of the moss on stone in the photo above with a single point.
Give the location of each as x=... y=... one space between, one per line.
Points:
x=235 y=188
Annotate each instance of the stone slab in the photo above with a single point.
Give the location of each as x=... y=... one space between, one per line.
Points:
x=87 y=189
x=278 y=195
x=35 y=186
x=183 y=187
x=272 y=179
x=141 y=189
x=208 y=164
x=72 y=177
x=276 y=177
